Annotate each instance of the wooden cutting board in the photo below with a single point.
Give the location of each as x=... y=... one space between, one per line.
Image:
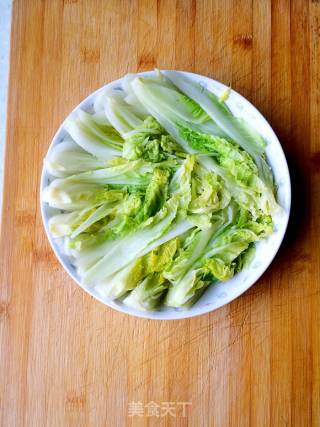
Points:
x=66 y=359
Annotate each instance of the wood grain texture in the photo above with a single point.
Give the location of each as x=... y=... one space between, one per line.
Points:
x=67 y=360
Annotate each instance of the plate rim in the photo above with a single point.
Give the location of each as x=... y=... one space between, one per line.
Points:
x=179 y=313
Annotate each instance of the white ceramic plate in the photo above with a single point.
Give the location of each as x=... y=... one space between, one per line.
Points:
x=222 y=293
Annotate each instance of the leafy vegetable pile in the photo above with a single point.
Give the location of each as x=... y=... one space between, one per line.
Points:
x=161 y=191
